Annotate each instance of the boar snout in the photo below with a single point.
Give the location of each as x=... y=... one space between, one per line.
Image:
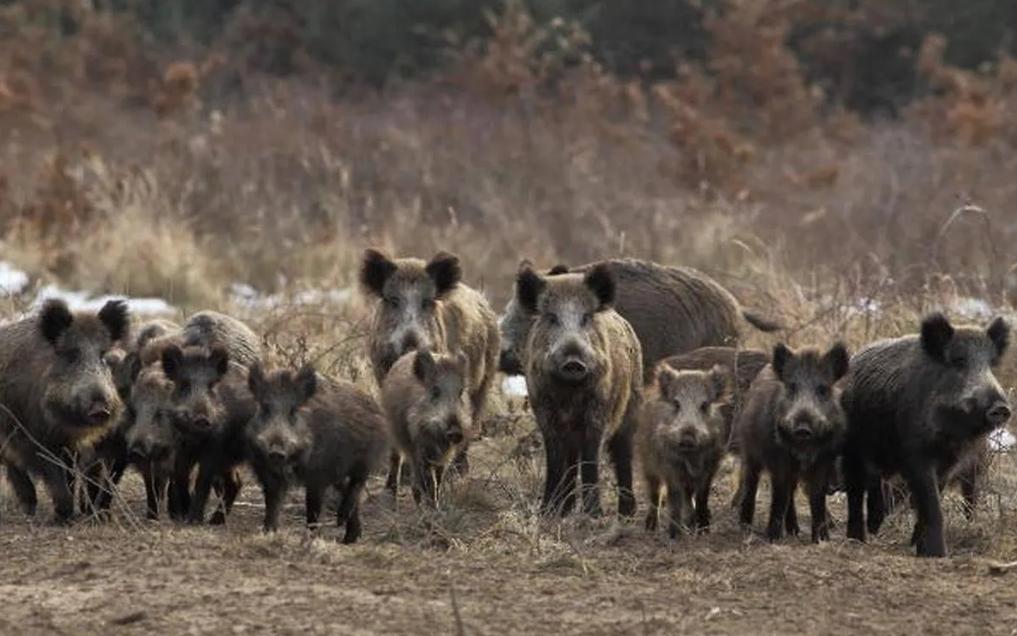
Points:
x=999 y=414
x=411 y=342
x=454 y=431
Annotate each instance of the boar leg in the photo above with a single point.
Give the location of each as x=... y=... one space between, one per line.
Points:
x=314 y=498
x=23 y=488
x=56 y=480
x=680 y=507
x=791 y=515
x=703 y=504
x=151 y=490
x=202 y=489
x=855 y=484
x=929 y=525
x=555 y=474
x=619 y=447
x=783 y=484
x=817 y=488
x=875 y=504
x=349 y=506
x=395 y=463
x=654 y=493
x=750 y=484
x=589 y=471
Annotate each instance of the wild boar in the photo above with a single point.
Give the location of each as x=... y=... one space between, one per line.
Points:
x=317 y=432
x=58 y=394
x=210 y=406
x=673 y=310
x=792 y=426
x=918 y=406
x=584 y=376
x=424 y=396
x=682 y=437
x=427 y=306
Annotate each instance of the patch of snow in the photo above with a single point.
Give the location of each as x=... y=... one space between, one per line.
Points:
x=972 y=308
x=83 y=301
x=249 y=297
x=514 y=386
x=1002 y=441
x=12 y=281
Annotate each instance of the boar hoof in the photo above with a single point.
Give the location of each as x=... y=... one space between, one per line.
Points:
x=651 y=521
x=218 y=519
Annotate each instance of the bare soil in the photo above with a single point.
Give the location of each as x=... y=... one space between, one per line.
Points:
x=487 y=564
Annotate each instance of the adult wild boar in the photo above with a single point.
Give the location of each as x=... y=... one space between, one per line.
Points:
x=682 y=437
x=317 y=432
x=424 y=396
x=584 y=375
x=672 y=310
x=793 y=427
x=427 y=306
x=58 y=394
x=918 y=406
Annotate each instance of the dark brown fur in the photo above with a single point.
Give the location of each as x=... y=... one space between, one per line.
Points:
x=58 y=395
x=584 y=376
x=313 y=431
x=918 y=406
x=792 y=427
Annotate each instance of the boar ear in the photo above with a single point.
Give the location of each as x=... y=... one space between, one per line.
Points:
x=307 y=382
x=54 y=320
x=172 y=358
x=529 y=287
x=781 y=355
x=446 y=272
x=838 y=359
x=256 y=379
x=524 y=265
x=117 y=318
x=375 y=268
x=601 y=282
x=665 y=378
x=219 y=358
x=936 y=334
x=558 y=270
x=719 y=377
x=999 y=333
x=462 y=361
x=423 y=365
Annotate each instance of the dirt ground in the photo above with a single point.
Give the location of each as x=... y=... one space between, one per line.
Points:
x=487 y=564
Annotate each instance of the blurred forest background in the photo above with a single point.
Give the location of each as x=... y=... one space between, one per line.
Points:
x=792 y=148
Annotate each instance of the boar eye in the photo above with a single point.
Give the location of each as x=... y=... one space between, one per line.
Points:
x=960 y=362
x=392 y=301
x=677 y=405
x=587 y=318
x=704 y=407
x=184 y=386
x=435 y=393
x=552 y=319
x=792 y=388
x=427 y=303
x=823 y=391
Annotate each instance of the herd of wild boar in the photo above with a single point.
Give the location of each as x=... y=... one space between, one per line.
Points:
x=641 y=358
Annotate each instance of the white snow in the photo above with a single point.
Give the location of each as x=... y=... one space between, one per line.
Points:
x=12 y=280
x=83 y=301
x=249 y=297
x=1002 y=441
x=514 y=386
